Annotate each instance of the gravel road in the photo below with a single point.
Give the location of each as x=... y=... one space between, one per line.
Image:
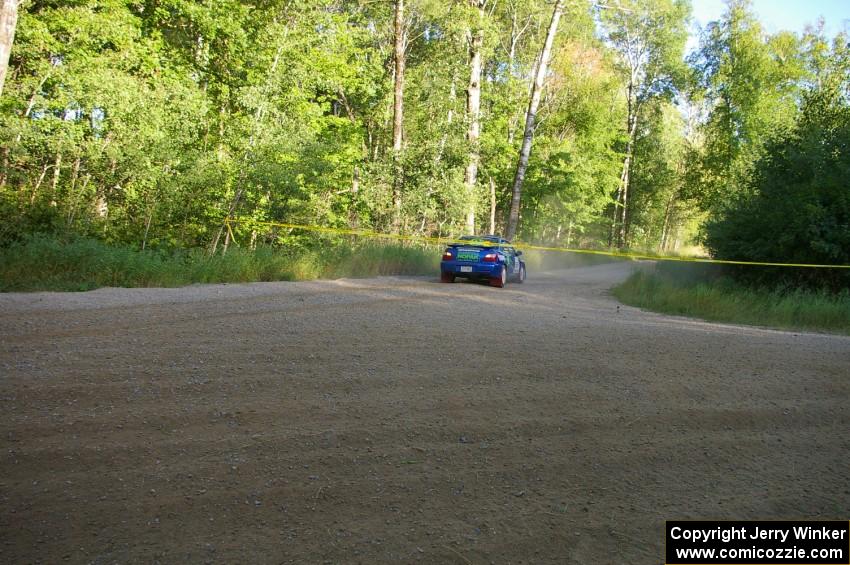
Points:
x=401 y=420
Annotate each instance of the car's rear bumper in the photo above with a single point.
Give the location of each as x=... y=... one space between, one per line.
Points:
x=478 y=269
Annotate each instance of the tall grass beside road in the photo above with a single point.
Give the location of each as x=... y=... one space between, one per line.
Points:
x=702 y=291
x=51 y=263
x=54 y=262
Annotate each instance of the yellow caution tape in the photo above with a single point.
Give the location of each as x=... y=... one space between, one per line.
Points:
x=439 y=240
x=230 y=233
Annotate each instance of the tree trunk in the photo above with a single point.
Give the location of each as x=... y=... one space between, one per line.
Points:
x=73 y=206
x=473 y=114
x=615 y=213
x=147 y=228
x=492 y=206
x=101 y=206
x=32 y=100
x=624 y=197
x=72 y=186
x=625 y=177
x=5 y=173
x=38 y=184
x=353 y=220
x=665 y=227
x=398 y=112
x=536 y=91
x=57 y=171
x=226 y=242
x=75 y=173
x=8 y=22
x=620 y=224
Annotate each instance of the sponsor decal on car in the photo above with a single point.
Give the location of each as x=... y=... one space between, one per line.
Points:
x=467 y=255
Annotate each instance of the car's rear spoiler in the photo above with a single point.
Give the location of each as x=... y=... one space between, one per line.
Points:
x=473 y=243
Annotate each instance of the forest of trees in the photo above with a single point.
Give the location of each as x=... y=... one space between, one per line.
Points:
x=569 y=122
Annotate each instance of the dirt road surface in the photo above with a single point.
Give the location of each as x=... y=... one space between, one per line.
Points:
x=401 y=420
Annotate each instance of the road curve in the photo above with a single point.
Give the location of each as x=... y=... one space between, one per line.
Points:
x=402 y=420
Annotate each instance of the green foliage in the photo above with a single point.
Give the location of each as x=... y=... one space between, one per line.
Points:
x=575 y=164
x=798 y=208
x=749 y=82
x=720 y=299
x=148 y=122
x=661 y=215
x=145 y=123
x=649 y=36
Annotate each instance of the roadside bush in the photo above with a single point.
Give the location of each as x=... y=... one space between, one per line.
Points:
x=799 y=208
x=706 y=292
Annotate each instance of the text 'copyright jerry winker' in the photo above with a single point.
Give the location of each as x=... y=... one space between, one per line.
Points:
x=758 y=543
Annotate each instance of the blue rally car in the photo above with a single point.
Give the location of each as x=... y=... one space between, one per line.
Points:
x=482 y=257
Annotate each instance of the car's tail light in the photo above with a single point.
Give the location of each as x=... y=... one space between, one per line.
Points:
x=447 y=254
x=490 y=258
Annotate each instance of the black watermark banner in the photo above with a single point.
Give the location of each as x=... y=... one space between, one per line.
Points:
x=758 y=543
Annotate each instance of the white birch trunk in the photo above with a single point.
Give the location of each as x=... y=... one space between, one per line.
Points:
x=473 y=113
x=530 y=118
x=8 y=23
x=398 y=112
